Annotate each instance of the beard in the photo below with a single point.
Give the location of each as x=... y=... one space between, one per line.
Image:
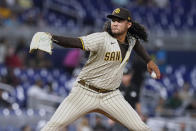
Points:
x=117 y=32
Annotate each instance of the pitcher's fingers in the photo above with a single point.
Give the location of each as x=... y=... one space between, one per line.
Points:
x=157 y=71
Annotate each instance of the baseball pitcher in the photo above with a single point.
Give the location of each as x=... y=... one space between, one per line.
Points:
x=96 y=88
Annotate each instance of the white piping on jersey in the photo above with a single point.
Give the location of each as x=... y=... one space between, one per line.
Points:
x=131 y=42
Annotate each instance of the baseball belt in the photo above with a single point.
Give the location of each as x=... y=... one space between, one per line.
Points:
x=82 y=82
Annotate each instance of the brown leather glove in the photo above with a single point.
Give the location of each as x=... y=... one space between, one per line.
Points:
x=151 y=66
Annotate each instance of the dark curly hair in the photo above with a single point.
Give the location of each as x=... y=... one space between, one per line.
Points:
x=136 y=30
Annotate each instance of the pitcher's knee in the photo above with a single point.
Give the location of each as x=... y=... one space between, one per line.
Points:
x=145 y=128
x=139 y=127
x=51 y=126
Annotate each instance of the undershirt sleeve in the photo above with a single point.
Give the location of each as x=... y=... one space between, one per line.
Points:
x=140 y=51
x=68 y=42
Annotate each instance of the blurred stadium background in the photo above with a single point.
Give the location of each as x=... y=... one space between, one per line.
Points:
x=33 y=85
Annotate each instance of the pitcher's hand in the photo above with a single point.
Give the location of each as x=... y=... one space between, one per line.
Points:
x=151 y=66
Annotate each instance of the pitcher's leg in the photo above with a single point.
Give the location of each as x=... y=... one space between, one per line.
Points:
x=117 y=107
x=75 y=105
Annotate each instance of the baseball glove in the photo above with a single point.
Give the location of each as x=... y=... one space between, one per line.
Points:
x=41 y=41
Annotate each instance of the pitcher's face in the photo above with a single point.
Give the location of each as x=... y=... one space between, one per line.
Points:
x=119 y=26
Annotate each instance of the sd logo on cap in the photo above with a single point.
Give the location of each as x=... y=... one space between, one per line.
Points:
x=121 y=13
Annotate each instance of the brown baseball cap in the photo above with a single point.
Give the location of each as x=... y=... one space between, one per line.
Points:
x=121 y=13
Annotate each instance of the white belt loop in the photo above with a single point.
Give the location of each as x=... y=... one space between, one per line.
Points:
x=87 y=84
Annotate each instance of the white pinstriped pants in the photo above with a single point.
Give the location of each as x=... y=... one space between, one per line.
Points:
x=81 y=101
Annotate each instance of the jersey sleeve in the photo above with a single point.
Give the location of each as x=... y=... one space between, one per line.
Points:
x=93 y=42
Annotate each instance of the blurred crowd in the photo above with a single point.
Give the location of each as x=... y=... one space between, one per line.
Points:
x=34 y=81
x=20 y=12
x=12 y=55
x=73 y=14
